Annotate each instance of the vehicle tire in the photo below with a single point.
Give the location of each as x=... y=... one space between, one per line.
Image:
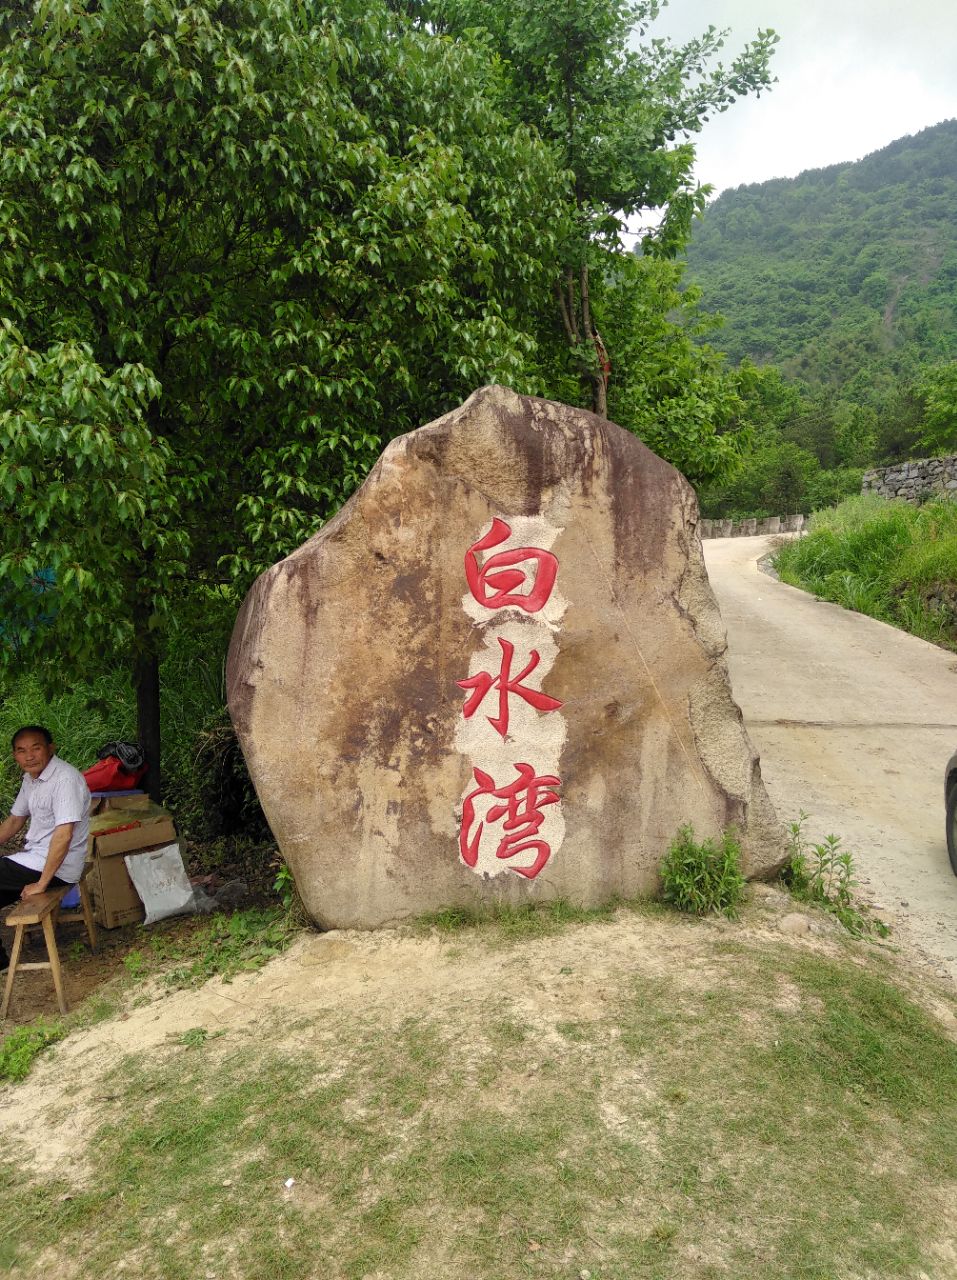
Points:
x=952 y=827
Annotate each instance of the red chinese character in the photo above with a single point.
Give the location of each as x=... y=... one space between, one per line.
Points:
x=521 y=807
x=493 y=583
x=483 y=682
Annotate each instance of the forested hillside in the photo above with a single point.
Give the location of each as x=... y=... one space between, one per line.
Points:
x=844 y=281
x=839 y=269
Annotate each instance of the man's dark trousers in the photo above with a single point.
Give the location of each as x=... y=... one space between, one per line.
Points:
x=12 y=879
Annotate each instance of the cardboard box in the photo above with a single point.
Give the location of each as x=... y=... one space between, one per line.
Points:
x=122 y=800
x=113 y=833
x=115 y=901
x=134 y=835
x=109 y=819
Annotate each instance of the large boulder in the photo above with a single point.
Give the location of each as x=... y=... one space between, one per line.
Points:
x=497 y=675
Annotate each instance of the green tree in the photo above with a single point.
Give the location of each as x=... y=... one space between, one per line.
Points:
x=773 y=480
x=676 y=395
x=855 y=433
x=937 y=388
x=241 y=245
x=618 y=118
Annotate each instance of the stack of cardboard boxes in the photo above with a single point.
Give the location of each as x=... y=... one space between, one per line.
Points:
x=122 y=824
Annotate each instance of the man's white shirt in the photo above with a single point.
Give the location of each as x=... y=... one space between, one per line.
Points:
x=57 y=796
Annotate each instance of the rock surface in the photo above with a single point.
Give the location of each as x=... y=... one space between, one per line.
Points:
x=914 y=481
x=795 y=923
x=497 y=675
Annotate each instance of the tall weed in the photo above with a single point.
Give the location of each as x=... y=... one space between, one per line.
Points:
x=824 y=874
x=703 y=877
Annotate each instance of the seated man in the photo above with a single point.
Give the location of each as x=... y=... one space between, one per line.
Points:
x=55 y=797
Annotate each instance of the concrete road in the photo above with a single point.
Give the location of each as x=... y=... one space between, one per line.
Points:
x=854 y=721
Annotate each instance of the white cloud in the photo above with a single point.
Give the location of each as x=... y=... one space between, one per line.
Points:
x=853 y=76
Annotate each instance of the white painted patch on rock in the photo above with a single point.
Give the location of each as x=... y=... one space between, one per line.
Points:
x=505 y=734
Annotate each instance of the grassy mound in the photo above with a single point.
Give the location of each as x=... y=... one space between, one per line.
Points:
x=887 y=559
x=633 y=1096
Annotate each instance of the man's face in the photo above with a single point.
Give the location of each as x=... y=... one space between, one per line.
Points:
x=33 y=753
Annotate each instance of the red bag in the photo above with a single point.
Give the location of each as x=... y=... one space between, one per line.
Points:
x=109 y=775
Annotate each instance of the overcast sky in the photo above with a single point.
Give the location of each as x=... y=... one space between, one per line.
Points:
x=853 y=75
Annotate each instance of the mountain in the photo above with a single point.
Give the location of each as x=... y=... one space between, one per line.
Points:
x=845 y=277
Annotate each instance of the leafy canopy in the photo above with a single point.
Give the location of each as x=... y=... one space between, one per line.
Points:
x=244 y=243
x=241 y=245
x=618 y=112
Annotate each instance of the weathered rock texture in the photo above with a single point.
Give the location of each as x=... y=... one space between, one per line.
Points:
x=345 y=661
x=914 y=481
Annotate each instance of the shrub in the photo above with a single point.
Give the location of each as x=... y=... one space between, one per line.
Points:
x=705 y=877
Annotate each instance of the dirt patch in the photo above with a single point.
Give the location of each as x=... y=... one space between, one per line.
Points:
x=84 y=972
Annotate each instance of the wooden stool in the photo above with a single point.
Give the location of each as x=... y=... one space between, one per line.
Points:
x=44 y=909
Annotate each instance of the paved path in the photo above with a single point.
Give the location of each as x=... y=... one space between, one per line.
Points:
x=855 y=722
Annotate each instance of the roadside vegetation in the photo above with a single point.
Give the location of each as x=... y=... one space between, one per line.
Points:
x=890 y=560
x=824 y=874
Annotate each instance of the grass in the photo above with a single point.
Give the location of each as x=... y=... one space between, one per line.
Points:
x=890 y=560
x=689 y=1124
x=221 y=946
x=22 y=1047
x=507 y=923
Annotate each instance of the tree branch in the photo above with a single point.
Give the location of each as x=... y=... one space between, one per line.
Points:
x=586 y=304
x=566 y=319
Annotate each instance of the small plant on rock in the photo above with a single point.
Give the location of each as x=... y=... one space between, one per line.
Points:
x=703 y=877
x=284 y=884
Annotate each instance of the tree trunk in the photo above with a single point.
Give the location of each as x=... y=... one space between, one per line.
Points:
x=568 y=306
x=147 y=685
x=599 y=381
x=599 y=398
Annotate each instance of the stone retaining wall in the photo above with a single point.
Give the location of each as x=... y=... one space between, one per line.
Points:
x=748 y=528
x=915 y=480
